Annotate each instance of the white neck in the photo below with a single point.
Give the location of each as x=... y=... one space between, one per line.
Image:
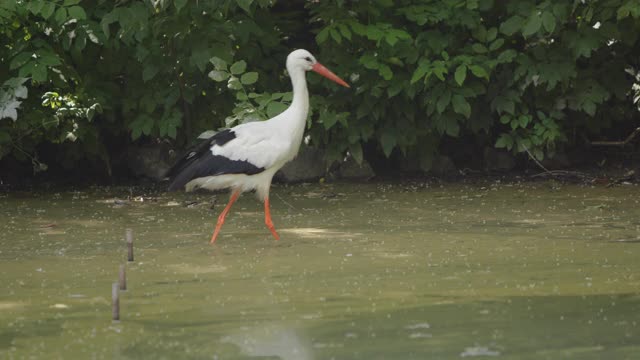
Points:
x=299 y=107
x=293 y=121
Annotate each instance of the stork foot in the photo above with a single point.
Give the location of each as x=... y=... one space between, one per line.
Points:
x=268 y=221
x=273 y=230
x=223 y=215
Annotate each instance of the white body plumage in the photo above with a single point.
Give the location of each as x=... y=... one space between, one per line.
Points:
x=267 y=144
x=246 y=157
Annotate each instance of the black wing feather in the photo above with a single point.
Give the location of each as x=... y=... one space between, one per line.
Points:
x=200 y=162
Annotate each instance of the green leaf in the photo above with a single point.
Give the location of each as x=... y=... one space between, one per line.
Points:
x=511 y=25
x=217 y=75
x=136 y=132
x=461 y=106
x=141 y=123
x=443 y=101
x=374 y=33
x=47 y=9
x=479 y=48
x=479 y=33
x=585 y=45
x=496 y=44
x=249 y=78
x=532 y=25
x=108 y=19
x=390 y=39
x=245 y=5
x=479 y=71
x=395 y=88
x=61 y=15
x=358 y=28
x=524 y=120
x=344 y=30
x=504 y=141
x=385 y=72
x=5 y=138
x=149 y=72
x=335 y=35
x=172 y=131
x=505 y=119
x=440 y=70
x=71 y=2
x=77 y=13
x=238 y=67
x=539 y=154
x=34 y=6
x=218 y=63
x=461 y=74
x=274 y=108
x=627 y=10
x=234 y=83
x=39 y=73
x=19 y=60
x=420 y=72
x=322 y=35
x=49 y=59
x=561 y=9
x=199 y=57
x=548 y=21
x=452 y=128
x=10 y=92
x=507 y=56
x=491 y=34
x=369 y=61
x=388 y=142
x=589 y=107
x=355 y=150
x=179 y=4
x=27 y=69
x=503 y=104
x=328 y=119
x=147 y=123
x=522 y=144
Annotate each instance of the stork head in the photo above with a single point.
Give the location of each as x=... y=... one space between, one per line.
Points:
x=302 y=59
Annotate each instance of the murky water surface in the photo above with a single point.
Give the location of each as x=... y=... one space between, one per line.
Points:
x=375 y=271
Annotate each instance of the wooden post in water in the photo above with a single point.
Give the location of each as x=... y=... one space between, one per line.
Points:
x=129 y=237
x=122 y=279
x=115 y=301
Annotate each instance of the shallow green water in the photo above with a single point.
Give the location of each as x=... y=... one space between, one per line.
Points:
x=375 y=271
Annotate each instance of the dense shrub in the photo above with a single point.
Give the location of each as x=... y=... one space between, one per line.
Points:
x=528 y=75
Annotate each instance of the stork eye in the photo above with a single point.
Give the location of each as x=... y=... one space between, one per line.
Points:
x=308 y=59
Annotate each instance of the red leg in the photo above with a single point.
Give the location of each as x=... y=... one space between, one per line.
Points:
x=267 y=219
x=223 y=215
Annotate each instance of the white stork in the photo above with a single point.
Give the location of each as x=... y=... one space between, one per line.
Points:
x=245 y=157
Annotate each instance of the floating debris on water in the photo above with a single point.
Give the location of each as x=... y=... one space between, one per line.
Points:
x=59 y=306
x=418 y=326
x=478 y=351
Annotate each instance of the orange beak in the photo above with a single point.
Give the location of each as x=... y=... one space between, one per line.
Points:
x=320 y=69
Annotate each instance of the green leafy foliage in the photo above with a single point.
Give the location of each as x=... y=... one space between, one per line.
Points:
x=249 y=106
x=521 y=73
x=11 y=93
x=525 y=72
